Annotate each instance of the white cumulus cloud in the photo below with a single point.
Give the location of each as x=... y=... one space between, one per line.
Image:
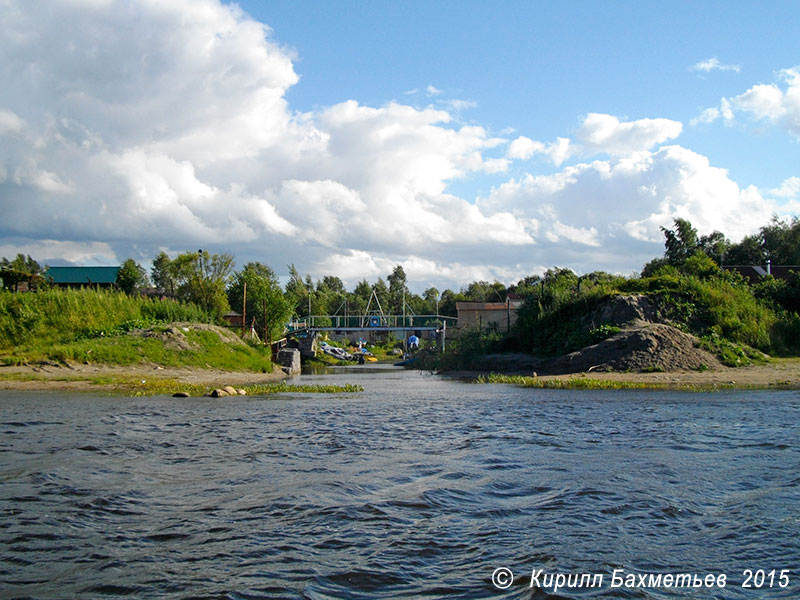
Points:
x=132 y=127
x=606 y=133
x=776 y=103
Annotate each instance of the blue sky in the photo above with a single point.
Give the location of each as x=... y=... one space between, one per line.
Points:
x=464 y=140
x=537 y=67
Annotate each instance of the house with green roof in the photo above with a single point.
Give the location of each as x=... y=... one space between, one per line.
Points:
x=76 y=277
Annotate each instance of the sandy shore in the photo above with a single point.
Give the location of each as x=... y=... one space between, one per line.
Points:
x=779 y=373
x=82 y=377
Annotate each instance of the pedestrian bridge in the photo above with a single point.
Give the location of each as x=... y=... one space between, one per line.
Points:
x=371 y=322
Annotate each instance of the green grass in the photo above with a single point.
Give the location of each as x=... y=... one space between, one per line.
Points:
x=89 y=326
x=154 y=386
x=553 y=320
x=162 y=387
x=37 y=320
x=589 y=383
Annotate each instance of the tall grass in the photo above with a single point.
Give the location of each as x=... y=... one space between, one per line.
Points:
x=713 y=306
x=553 y=321
x=57 y=316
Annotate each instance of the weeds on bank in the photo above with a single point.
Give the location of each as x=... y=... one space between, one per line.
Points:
x=135 y=386
x=588 y=383
x=167 y=387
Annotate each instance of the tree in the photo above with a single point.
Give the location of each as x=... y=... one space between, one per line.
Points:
x=163 y=274
x=781 y=241
x=21 y=269
x=131 y=277
x=198 y=277
x=382 y=294
x=447 y=303
x=680 y=243
x=264 y=298
x=431 y=297
x=397 y=291
x=747 y=252
x=23 y=264
x=205 y=276
x=715 y=245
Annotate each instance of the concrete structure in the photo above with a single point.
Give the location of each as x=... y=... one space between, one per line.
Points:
x=494 y=316
x=307 y=344
x=289 y=360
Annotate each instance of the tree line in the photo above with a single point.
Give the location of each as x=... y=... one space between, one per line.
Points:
x=211 y=281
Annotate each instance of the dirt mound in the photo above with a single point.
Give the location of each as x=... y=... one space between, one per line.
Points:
x=650 y=347
x=174 y=336
x=622 y=310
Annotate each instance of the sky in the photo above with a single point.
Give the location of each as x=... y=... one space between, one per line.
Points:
x=462 y=140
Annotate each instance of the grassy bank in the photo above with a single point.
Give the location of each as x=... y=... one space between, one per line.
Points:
x=134 y=385
x=635 y=383
x=90 y=326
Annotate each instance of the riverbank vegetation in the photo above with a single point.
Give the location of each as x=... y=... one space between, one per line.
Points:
x=737 y=320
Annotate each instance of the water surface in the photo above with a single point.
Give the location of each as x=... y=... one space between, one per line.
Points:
x=418 y=487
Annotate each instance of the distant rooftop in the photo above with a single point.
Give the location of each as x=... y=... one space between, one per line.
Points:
x=83 y=275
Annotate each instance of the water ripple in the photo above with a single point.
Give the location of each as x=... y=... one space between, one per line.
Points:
x=416 y=488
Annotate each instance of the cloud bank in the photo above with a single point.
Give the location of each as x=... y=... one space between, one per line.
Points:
x=147 y=126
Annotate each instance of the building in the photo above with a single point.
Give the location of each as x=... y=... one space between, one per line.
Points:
x=754 y=273
x=494 y=316
x=77 y=277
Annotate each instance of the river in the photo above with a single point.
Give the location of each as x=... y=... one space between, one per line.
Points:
x=418 y=487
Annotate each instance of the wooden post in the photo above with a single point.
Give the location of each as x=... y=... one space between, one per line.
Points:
x=266 y=328
x=244 y=308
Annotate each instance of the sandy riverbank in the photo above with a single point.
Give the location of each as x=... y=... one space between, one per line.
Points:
x=81 y=377
x=778 y=373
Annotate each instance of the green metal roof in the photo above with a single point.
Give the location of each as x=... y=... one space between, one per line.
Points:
x=82 y=275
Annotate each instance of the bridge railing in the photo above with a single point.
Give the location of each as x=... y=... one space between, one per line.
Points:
x=372 y=321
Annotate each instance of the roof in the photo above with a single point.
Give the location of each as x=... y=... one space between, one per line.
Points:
x=756 y=272
x=82 y=275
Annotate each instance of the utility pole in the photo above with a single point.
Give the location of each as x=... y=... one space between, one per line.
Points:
x=244 y=308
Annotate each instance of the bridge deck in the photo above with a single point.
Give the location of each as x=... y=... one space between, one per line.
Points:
x=391 y=328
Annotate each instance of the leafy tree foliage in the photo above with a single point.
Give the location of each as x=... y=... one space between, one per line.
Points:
x=23 y=264
x=132 y=277
x=21 y=269
x=265 y=299
x=198 y=277
x=397 y=292
x=163 y=274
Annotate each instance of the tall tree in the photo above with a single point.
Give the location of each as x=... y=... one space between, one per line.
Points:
x=382 y=294
x=198 y=277
x=265 y=299
x=163 y=274
x=397 y=290
x=131 y=277
x=681 y=242
x=207 y=275
x=431 y=297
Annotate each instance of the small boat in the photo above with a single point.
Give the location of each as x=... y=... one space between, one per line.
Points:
x=406 y=362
